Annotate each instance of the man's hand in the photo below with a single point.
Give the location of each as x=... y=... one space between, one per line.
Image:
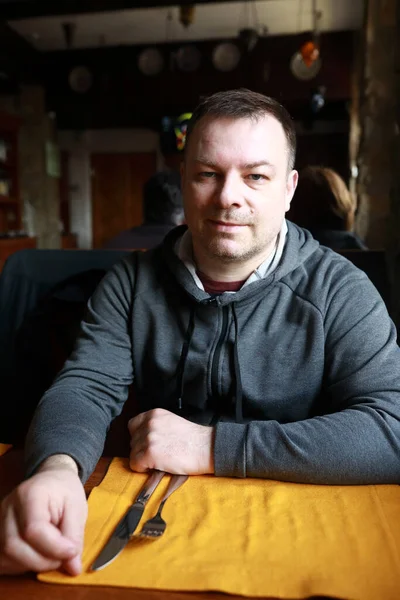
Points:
x=162 y=440
x=42 y=521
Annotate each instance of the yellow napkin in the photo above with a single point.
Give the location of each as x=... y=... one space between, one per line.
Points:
x=250 y=537
x=4 y=448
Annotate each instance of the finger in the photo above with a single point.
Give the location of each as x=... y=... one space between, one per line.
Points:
x=137 y=422
x=73 y=566
x=139 y=439
x=72 y=525
x=12 y=567
x=139 y=444
x=48 y=540
x=34 y=521
x=138 y=462
x=17 y=555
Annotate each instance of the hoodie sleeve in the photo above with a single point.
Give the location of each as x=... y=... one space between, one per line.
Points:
x=74 y=414
x=357 y=439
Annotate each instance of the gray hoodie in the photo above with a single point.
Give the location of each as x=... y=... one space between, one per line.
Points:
x=298 y=372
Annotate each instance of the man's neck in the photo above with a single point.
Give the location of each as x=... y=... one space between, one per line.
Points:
x=223 y=270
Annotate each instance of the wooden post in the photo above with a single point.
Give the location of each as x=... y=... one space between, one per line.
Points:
x=374 y=135
x=394 y=225
x=374 y=117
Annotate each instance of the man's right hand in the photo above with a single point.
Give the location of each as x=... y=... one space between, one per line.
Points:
x=42 y=521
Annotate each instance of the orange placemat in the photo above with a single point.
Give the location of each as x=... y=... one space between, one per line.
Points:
x=251 y=537
x=4 y=448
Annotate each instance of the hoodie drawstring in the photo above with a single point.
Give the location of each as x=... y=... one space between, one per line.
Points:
x=238 y=379
x=182 y=360
x=180 y=371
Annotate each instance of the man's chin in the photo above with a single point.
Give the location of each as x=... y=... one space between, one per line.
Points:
x=226 y=251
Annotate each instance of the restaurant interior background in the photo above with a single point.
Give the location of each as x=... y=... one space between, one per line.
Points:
x=91 y=91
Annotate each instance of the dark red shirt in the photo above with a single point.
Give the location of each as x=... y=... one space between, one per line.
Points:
x=218 y=287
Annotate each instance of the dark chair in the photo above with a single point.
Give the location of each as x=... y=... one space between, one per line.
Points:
x=373 y=263
x=36 y=307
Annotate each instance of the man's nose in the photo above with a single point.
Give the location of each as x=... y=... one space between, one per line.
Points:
x=229 y=193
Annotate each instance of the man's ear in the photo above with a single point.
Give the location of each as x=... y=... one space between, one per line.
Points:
x=291 y=186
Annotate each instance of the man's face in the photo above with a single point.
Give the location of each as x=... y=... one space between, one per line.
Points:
x=236 y=187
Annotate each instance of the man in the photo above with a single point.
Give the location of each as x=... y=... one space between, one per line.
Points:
x=253 y=350
x=162 y=211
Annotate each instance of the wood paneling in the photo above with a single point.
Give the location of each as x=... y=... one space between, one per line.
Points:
x=69 y=241
x=117 y=182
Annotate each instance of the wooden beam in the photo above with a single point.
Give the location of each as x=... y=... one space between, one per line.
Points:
x=18 y=59
x=24 y=9
x=10 y=41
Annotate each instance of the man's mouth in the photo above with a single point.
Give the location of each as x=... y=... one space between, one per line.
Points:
x=227 y=226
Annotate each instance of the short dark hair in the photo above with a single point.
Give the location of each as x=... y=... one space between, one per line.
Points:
x=322 y=201
x=162 y=199
x=242 y=104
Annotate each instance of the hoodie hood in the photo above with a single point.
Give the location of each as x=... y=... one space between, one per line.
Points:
x=298 y=248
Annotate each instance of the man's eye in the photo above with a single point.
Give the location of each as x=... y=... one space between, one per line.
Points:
x=207 y=174
x=256 y=177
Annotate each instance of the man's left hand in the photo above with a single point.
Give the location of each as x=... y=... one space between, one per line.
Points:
x=162 y=440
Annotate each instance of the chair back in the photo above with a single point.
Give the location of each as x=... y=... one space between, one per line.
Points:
x=27 y=303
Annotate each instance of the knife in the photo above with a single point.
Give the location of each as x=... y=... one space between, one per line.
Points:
x=127 y=525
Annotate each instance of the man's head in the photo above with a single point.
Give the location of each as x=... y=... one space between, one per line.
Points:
x=245 y=104
x=238 y=177
x=162 y=199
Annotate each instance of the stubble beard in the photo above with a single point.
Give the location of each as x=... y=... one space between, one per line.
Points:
x=216 y=248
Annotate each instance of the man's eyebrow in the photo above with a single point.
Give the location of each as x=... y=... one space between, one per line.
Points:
x=259 y=163
x=205 y=161
x=252 y=165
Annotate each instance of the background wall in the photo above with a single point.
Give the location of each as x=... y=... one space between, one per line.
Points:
x=121 y=96
x=122 y=112
x=39 y=190
x=80 y=146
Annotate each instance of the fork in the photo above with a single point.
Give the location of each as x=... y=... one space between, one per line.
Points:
x=155 y=527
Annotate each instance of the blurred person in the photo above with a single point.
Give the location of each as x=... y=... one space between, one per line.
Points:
x=162 y=211
x=324 y=205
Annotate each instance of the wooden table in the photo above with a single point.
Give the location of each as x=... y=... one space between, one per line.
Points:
x=23 y=587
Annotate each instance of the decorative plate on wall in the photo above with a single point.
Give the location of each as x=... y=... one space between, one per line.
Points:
x=303 y=71
x=188 y=58
x=226 y=56
x=150 y=61
x=80 y=79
